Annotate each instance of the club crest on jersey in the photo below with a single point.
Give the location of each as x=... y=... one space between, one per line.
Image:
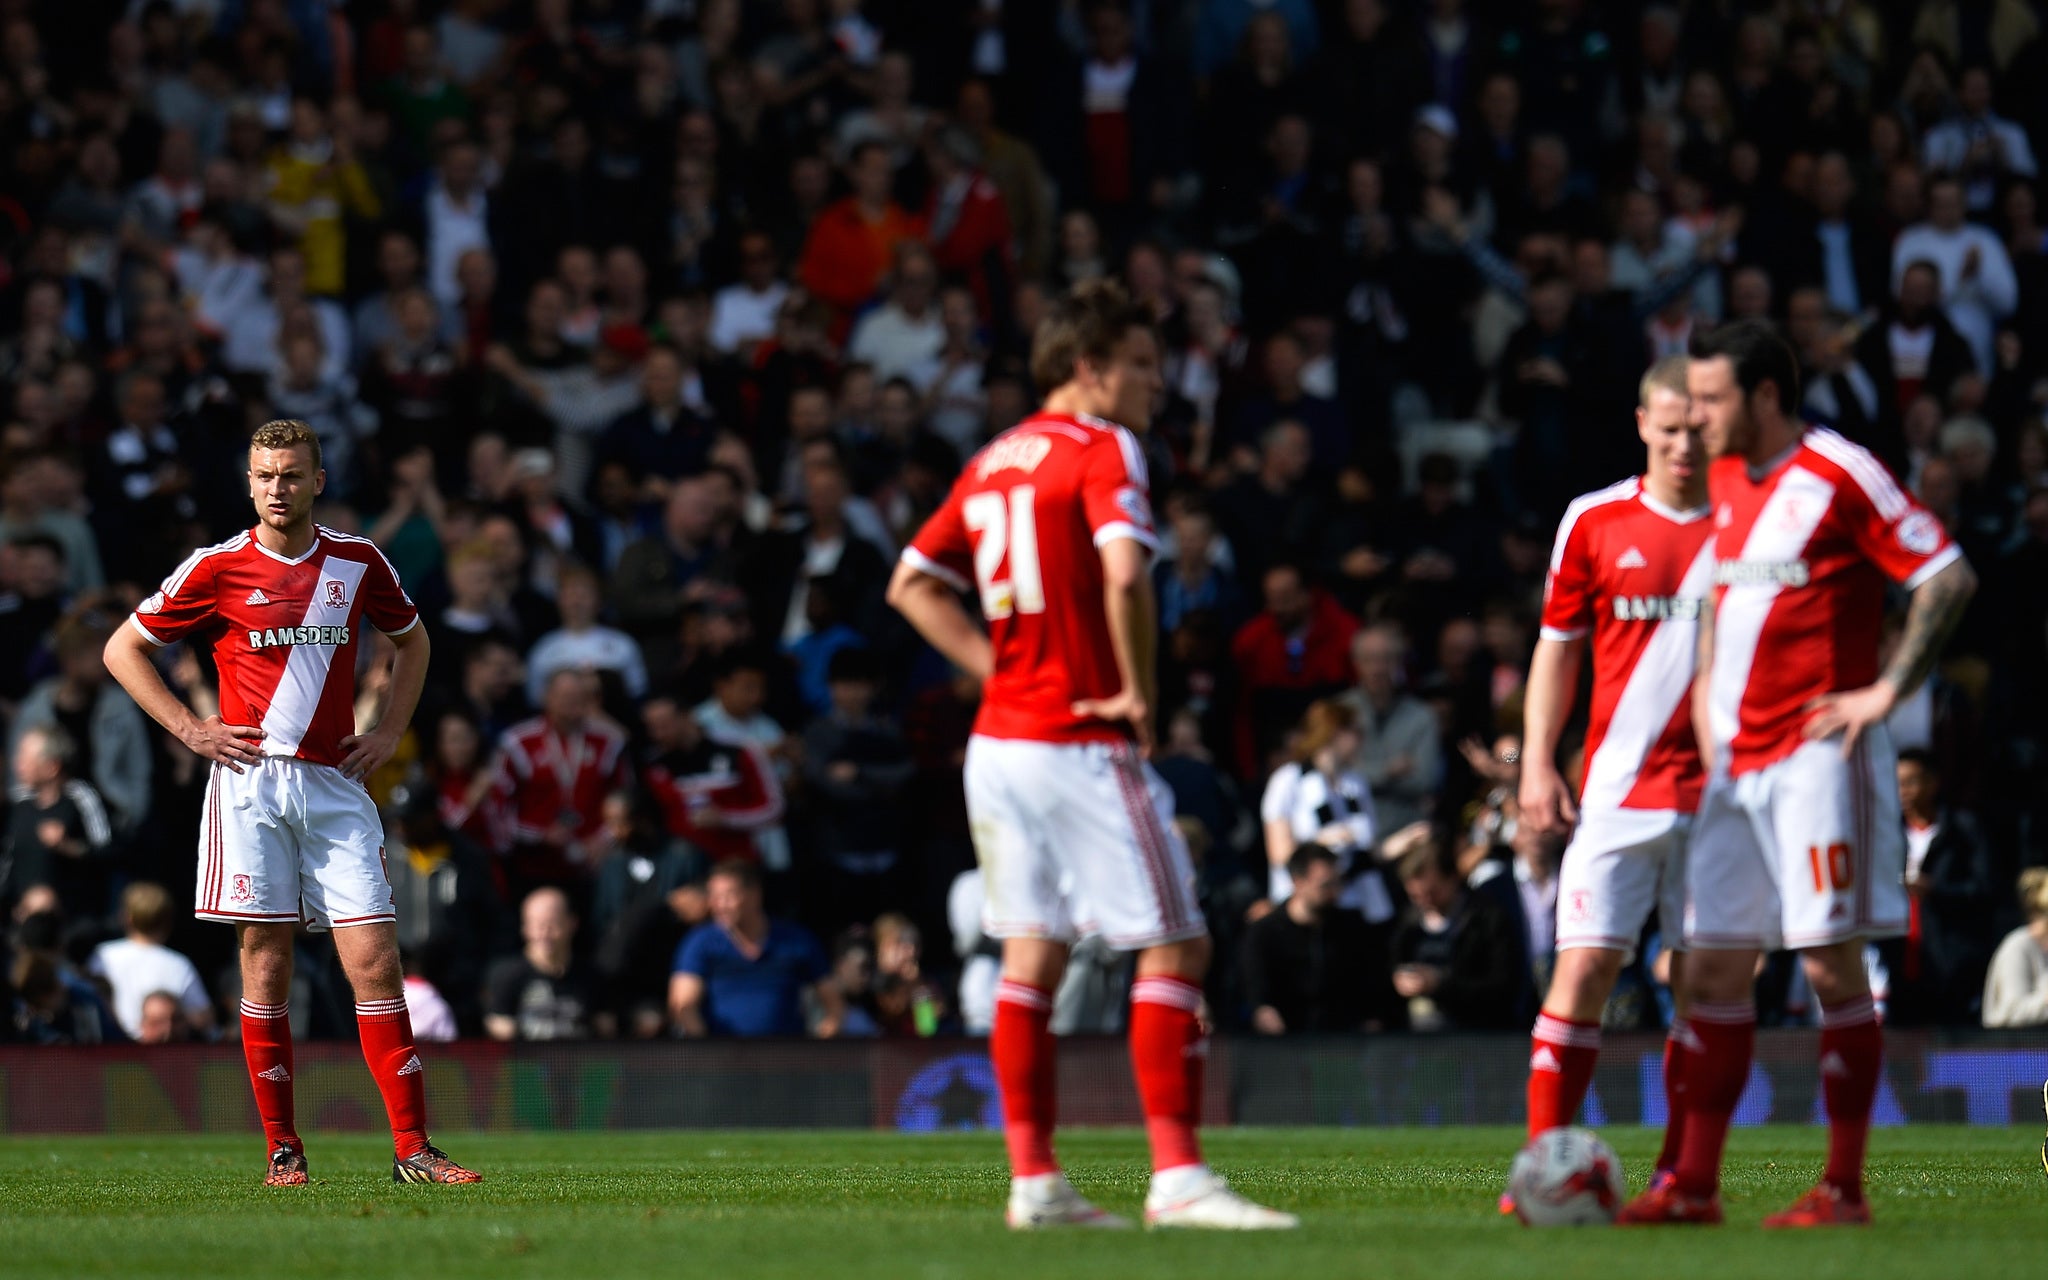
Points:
x=242 y=893
x=337 y=594
x=1920 y=533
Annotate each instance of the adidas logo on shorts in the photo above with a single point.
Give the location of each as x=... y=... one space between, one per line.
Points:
x=277 y=1073
x=412 y=1066
x=1632 y=558
x=257 y=597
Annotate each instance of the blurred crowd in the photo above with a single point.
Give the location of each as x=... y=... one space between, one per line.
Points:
x=642 y=333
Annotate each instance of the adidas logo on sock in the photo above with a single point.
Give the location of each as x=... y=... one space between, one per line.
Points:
x=1545 y=1060
x=257 y=597
x=1632 y=558
x=412 y=1066
x=277 y=1073
x=1831 y=1064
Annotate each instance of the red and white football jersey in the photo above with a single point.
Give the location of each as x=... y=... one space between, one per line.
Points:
x=1632 y=572
x=285 y=633
x=1803 y=555
x=1021 y=528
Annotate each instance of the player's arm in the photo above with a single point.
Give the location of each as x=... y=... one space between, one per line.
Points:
x=686 y=1004
x=127 y=656
x=1546 y=799
x=1133 y=613
x=933 y=609
x=1702 y=686
x=372 y=750
x=1937 y=606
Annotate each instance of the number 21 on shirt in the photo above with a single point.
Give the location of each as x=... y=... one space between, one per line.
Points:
x=1004 y=525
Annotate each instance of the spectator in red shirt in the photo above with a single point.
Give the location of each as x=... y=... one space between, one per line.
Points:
x=966 y=222
x=853 y=242
x=550 y=779
x=1296 y=651
x=713 y=794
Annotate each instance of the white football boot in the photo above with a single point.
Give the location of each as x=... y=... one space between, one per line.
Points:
x=1046 y=1201
x=1196 y=1196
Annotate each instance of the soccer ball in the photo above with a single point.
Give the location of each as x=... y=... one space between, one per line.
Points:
x=1566 y=1178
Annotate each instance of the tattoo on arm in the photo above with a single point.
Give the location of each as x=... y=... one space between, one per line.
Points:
x=1937 y=607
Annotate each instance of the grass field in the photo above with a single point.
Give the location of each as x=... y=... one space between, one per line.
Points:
x=1383 y=1203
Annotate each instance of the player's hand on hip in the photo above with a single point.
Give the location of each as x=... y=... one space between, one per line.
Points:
x=1126 y=708
x=233 y=745
x=367 y=753
x=1546 y=800
x=1849 y=713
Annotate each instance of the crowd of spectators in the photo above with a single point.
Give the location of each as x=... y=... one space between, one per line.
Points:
x=641 y=334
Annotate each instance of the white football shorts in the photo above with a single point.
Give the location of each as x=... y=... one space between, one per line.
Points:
x=1621 y=865
x=1804 y=852
x=286 y=840
x=1076 y=839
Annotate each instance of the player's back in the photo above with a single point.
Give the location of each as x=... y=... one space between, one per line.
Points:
x=1632 y=572
x=1022 y=530
x=1804 y=553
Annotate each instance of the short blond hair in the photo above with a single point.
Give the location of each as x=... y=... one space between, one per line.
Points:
x=1668 y=374
x=146 y=908
x=287 y=433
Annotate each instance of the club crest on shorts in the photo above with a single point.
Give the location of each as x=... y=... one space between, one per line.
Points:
x=1578 y=906
x=337 y=594
x=242 y=893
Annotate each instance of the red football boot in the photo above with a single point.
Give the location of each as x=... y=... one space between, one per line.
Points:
x=1666 y=1206
x=1824 y=1206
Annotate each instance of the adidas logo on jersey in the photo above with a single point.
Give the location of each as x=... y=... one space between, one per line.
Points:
x=412 y=1066
x=1545 y=1059
x=257 y=597
x=277 y=1073
x=1633 y=558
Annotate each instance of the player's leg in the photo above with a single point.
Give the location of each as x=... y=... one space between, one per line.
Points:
x=266 y=961
x=1678 y=1038
x=343 y=886
x=1842 y=856
x=1565 y=1043
x=1136 y=884
x=1009 y=785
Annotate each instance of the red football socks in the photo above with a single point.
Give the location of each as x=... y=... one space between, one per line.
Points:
x=267 y=1048
x=1851 y=1063
x=1561 y=1057
x=386 y=1030
x=1715 y=1071
x=1027 y=1072
x=1676 y=1043
x=1168 y=1054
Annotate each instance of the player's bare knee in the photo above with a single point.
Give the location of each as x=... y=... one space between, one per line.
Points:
x=1721 y=977
x=1187 y=959
x=1584 y=978
x=1836 y=973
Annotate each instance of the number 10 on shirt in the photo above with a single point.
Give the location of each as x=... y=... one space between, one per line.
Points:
x=1005 y=523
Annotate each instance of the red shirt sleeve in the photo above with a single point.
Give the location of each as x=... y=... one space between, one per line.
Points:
x=1568 y=588
x=183 y=604
x=1116 y=494
x=1902 y=538
x=942 y=548
x=385 y=603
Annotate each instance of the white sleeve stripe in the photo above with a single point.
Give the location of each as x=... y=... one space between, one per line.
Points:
x=193 y=561
x=924 y=564
x=407 y=627
x=1561 y=635
x=146 y=634
x=1943 y=558
x=1620 y=492
x=1134 y=457
x=1868 y=473
x=1116 y=529
x=98 y=831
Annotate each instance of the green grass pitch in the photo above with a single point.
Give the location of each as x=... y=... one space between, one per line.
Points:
x=827 y=1206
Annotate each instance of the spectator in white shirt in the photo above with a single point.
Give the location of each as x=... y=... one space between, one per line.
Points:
x=1978 y=147
x=1978 y=288
x=906 y=330
x=743 y=313
x=456 y=213
x=581 y=643
x=140 y=965
x=2016 y=989
x=1317 y=798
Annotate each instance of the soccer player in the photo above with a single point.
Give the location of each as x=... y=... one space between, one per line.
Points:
x=288 y=833
x=1798 y=842
x=1050 y=527
x=1630 y=567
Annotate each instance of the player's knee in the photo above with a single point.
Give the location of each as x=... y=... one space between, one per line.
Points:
x=1721 y=977
x=1836 y=973
x=1187 y=959
x=1585 y=977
